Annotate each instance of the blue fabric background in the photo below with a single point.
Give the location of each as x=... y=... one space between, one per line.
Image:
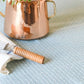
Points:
x=63 y=48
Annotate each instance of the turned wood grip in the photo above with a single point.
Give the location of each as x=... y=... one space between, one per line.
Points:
x=29 y=55
x=2 y=14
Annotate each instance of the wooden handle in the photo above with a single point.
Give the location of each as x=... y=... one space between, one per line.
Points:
x=29 y=55
x=2 y=14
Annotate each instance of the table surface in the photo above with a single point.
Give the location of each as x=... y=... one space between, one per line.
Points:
x=63 y=48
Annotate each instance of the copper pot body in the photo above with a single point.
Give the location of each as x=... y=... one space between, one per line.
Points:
x=26 y=20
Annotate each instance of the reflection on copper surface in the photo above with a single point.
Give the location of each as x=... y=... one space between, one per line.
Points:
x=29 y=12
x=26 y=20
x=26 y=29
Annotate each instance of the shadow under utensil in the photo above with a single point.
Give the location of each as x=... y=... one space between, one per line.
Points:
x=64 y=20
x=47 y=60
x=13 y=65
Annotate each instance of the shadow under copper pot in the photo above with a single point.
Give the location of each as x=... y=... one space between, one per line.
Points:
x=26 y=20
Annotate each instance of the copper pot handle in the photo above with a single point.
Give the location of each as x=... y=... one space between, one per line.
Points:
x=48 y=17
x=54 y=4
x=2 y=14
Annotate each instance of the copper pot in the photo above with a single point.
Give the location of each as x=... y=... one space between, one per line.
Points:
x=27 y=20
